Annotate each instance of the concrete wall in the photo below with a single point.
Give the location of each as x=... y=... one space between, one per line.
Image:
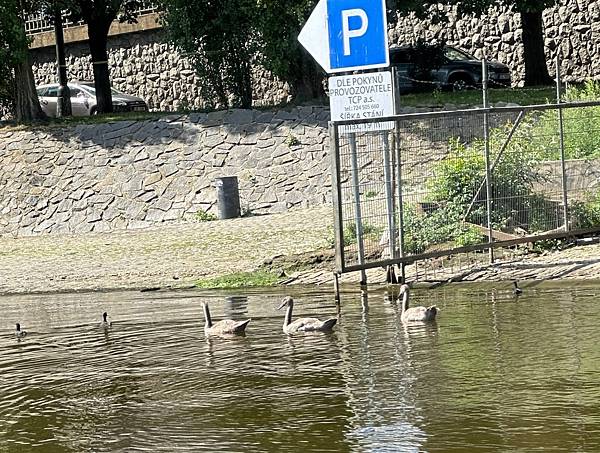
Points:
x=143 y=65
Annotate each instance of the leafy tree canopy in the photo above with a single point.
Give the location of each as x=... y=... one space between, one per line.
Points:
x=14 y=48
x=101 y=13
x=219 y=38
x=279 y=23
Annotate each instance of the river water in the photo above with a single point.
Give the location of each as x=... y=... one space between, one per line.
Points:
x=495 y=373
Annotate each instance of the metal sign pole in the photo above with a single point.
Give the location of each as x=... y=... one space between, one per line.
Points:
x=400 y=200
x=488 y=171
x=563 y=165
x=334 y=149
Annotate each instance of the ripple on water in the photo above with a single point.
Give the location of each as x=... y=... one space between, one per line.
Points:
x=494 y=372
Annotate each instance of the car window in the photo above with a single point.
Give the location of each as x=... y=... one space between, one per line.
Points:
x=74 y=92
x=89 y=88
x=455 y=54
x=52 y=92
x=42 y=91
x=116 y=92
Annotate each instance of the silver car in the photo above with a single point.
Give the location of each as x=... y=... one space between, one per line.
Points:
x=83 y=99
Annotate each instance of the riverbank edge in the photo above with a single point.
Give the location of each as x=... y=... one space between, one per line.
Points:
x=322 y=275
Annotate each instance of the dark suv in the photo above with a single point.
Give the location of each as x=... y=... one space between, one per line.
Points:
x=455 y=70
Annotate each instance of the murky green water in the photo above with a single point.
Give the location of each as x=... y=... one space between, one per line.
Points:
x=494 y=374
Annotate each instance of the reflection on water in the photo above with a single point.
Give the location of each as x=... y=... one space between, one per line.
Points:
x=495 y=372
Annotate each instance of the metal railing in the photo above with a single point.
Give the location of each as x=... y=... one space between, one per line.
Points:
x=442 y=183
x=41 y=22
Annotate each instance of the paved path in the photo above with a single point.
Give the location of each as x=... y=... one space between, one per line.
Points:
x=177 y=255
x=171 y=255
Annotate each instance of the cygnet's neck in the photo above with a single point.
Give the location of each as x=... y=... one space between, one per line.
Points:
x=405 y=301
x=207 y=318
x=288 y=313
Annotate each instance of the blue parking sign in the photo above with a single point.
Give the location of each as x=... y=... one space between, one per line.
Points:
x=357 y=34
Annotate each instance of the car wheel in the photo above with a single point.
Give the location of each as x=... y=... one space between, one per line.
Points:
x=462 y=83
x=94 y=111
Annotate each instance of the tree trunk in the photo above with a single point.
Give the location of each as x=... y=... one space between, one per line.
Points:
x=27 y=103
x=98 y=40
x=246 y=86
x=536 y=69
x=238 y=64
x=307 y=83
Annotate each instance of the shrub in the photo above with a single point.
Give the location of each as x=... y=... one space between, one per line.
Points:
x=460 y=174
x=585 y=213
x=441 y=225
x=443 y=218
x=370 y=232
x=204 y=216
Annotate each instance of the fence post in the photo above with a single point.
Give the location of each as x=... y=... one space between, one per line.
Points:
x=334 y=149
x=400 y=199
x=357 y=210
x=563 y=165
x=488 y=172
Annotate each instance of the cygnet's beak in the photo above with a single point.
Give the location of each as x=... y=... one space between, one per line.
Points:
x=284 y=303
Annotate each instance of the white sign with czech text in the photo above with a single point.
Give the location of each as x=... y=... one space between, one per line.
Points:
x=359 y=97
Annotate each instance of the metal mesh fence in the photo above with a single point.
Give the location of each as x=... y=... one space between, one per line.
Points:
x=366 y=187
x=420 y=189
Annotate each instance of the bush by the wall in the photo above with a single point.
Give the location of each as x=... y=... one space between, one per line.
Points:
x=585 y=213
x=460 y=174
x=443 y=224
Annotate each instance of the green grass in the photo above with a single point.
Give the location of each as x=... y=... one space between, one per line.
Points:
x=95 y=119
x=521 y=96
x=240 y=279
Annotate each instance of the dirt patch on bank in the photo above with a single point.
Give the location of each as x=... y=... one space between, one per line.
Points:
x=577 y=261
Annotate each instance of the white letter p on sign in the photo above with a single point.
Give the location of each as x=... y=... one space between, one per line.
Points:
x=364 y=23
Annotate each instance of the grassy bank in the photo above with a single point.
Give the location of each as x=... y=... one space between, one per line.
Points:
x=240 y=279
x=521 y=96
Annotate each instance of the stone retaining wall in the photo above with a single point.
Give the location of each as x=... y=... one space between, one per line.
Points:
x=133 y=174
x=572 y=30
x=583 y=178
x=143 y=65
x=130 y=174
